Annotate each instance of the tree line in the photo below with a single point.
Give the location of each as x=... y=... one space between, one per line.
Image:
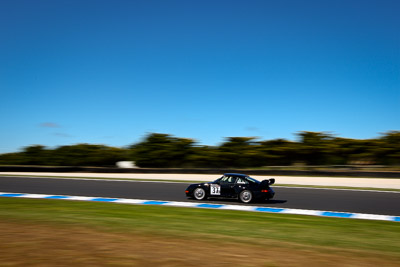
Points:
x=159 y=150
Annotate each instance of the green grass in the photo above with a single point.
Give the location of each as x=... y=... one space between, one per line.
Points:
x=359 y=236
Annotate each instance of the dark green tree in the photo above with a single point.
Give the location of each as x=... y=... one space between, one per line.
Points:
x=239 y=152
x=315 y=147
x=36 y=155
x=162 y=151
x=387 y=148
x=88 y=155
x=278 y=152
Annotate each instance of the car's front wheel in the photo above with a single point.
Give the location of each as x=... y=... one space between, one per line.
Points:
x=246 y=196
x=199 y=193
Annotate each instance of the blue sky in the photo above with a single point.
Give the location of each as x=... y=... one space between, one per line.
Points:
x=110 y=72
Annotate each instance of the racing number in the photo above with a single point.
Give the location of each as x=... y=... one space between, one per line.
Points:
x=215 y=189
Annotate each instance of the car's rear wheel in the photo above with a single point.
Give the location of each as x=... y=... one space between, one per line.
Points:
x=199 y=193
x=246 y=196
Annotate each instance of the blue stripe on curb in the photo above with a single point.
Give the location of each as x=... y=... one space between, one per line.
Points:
x=154 y=202
x=57 y=197
x=11 y=195
x=105 y=199
x=262 y=209
x=213 y=206
x=336 y=214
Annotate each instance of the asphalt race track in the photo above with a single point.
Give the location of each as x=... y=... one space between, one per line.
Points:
x=384 y=203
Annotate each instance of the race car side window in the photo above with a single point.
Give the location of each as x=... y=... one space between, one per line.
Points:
x=228 y=180
x=232 y=180
x=241 y=181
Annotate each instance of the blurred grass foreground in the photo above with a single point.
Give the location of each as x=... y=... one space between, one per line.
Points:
x=38 y=232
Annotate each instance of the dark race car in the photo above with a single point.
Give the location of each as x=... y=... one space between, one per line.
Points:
x=233 y=185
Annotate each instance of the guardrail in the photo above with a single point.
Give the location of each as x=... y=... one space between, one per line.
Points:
x=334 y=173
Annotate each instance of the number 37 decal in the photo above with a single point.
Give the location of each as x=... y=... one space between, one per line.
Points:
x=215 y=189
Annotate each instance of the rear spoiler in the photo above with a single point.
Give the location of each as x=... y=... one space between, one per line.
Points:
x=268 y=181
